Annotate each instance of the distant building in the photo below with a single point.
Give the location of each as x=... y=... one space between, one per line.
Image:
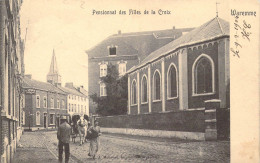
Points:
x=11 y=73
x=44 y=103
x=124 y=50
x=183 y=74
x=53 y=76
x=77 y=102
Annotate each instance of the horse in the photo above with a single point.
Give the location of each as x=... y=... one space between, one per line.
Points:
x=77 y=129
x=82 y=125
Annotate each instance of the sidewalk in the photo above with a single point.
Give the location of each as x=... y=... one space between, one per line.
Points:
x=31 y=149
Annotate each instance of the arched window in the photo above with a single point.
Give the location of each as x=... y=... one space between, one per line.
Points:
x=144 y=89
x=172 y=80
x=156 y=86
x=203 y=75
x=133 y=93
x=38 y=118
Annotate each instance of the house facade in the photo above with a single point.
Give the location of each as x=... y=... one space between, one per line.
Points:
x=124 y=50
x=44 y=103
x=183 y=74
x=11 y=72
x=77 y=102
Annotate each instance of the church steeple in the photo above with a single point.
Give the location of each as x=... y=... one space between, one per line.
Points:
x=53 y=76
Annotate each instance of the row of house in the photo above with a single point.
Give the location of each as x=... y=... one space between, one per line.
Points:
x=11 y=73
x=44 y=102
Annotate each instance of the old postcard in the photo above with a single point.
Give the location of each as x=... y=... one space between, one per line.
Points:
x=129 y=81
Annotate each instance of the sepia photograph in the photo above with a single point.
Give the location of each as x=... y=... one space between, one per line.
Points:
x=129 y=81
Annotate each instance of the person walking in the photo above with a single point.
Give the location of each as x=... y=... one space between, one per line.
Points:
x=63 y=136
x=94 y=140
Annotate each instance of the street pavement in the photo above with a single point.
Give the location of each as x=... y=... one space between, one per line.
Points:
x=42 y=147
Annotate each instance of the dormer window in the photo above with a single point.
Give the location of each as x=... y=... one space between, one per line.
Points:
x=112 y=50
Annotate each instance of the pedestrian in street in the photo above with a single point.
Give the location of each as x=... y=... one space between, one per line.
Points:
x=63 y=136
x=94 y=139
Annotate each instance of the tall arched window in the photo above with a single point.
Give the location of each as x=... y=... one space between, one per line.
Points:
x=38 y=118
x=203 y=75
x=172 y=80
x=133 y=91
x=144 y=89
x=156 y=86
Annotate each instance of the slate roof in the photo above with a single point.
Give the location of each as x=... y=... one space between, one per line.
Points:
x=212 y=29
x=73 y=91
x=30 y=83
x=136 y=42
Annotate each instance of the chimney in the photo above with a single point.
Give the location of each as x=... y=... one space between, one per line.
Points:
x=28 y=76
x=173 y=27
x=69 y=85
x=119 y=32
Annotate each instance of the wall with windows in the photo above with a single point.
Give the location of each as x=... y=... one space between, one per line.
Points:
x=133 y=94
x=172 y=83
x=40 y=103
x=77 y=104
x=156 y=87
x=205 y=66
x=144 y=91
x=202 y=86
x=32 y=106
x=97 y=69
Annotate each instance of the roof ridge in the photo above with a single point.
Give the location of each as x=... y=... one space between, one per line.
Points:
x=184 y=40
x=220 y=25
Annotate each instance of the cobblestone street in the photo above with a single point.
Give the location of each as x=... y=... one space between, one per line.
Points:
x=120 y=148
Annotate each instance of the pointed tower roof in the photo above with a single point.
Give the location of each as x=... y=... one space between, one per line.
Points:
x=54 y=66
x=53 y=76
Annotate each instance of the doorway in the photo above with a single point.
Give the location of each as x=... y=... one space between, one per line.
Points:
x=45 y=120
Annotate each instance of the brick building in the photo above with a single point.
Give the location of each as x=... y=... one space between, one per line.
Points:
x=124 y=50
x=184 y=73
x=44 y=103
x=11 y=72
x=184 y=85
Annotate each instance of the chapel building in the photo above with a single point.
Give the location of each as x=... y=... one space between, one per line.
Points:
x=184 y=73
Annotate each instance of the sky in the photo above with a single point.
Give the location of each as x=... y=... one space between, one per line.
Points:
x=68 y=27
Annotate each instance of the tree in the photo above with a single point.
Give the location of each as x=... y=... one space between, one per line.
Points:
x=115 y=103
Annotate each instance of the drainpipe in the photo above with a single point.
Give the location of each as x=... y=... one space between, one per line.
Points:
x=2 y=63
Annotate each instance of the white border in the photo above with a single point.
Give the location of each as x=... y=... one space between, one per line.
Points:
x=177 y=83
x=144 y=102
x=134 y=80
x=213 y=76
x=156 y=100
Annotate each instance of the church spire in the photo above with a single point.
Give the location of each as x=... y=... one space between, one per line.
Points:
x=53 y=75
x=54 y=66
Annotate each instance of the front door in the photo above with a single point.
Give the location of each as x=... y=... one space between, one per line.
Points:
x=45 y=120
x=58 y=121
